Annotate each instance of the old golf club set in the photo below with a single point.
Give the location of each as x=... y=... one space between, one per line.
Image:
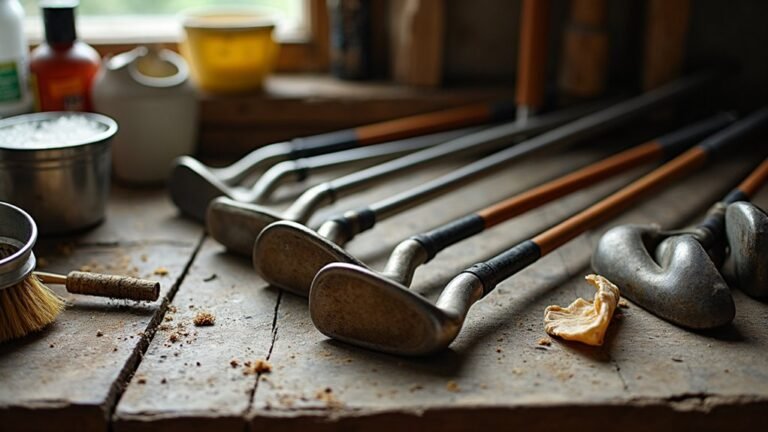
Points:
x=673 y=274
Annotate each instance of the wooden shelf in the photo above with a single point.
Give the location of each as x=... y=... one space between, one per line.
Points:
x=298 y=105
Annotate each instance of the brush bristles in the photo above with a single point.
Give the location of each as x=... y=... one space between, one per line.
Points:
x=27 y=307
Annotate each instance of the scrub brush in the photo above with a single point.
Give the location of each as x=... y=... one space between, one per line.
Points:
x=26 y=304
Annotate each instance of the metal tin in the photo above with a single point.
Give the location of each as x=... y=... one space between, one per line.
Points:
x=64 y=188
x=18 y=234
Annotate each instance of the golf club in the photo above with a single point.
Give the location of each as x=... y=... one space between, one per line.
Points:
x=282 y=245
x=394 y=319
x=193 y=185
x=236 y=225
x=299 y=169
x=746 y=229
x=671 y=274
x=422 y=248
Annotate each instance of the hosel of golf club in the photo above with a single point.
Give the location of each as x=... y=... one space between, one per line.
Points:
x=299 y=169
x=508 y=263
x=585 y=127
x=421 y=248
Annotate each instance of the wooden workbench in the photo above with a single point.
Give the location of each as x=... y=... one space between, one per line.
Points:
x=122 y=366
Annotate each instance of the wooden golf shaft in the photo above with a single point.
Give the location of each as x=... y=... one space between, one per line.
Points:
x=532 y=53
x=120 y=287
x=511 y=261
x=670 y=144
x=755 y=180
x=678 y=167
x=400 y=128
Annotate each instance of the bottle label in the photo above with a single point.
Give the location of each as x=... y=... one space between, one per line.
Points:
x=10 y=82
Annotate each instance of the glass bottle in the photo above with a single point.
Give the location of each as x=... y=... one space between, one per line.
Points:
x=14 y=93
x=62 y=68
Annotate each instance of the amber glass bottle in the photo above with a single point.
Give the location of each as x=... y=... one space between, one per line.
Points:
x=62 y=68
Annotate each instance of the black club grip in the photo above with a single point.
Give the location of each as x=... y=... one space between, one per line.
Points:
x=505 y=264
x=678 y=141
x=323 y=143
x=451 y=233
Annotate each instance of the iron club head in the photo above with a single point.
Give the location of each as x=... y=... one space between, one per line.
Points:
x=194 y=186
x=680 y=284
x=236 y=225
x=358 y=306
x=288 y=255
x=746 y=228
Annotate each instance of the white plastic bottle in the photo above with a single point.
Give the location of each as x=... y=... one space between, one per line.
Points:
x=14 y=91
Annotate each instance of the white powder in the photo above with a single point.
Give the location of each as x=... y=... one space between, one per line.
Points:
x=62 y=131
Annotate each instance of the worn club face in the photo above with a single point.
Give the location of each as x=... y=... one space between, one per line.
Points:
x=747 y=232
x=237 y=225
x=358 y=306
x=193 y=186
x=288 y=255
x=681 y=284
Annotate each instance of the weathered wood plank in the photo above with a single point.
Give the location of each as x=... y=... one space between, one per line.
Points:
x=497 y=373
x=69 y=376
x=174 y=390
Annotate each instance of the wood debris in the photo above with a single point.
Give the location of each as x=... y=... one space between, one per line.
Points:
x=161 y=271
x=204 y=318
x=453 y=386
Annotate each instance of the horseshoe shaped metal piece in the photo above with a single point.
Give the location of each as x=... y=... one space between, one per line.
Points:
x=746 y=228
x=678 y=282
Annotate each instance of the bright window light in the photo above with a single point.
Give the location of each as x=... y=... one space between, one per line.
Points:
x=145 y=21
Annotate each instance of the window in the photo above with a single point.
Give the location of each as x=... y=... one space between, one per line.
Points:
x=145 y=21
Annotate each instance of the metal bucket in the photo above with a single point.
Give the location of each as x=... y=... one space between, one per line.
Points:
x=18 y=234
x=64 y=187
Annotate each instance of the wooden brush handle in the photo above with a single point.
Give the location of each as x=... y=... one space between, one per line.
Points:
x=95 y=284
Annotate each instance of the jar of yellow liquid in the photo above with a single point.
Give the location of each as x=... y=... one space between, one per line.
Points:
x=229 y=49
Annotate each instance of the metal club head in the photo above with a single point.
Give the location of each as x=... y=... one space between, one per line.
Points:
x=678 y=283
x=746 y=228
x=193 y=186
x=288 y=255
x=358 y=306
x=236 y=225
x=681 y=284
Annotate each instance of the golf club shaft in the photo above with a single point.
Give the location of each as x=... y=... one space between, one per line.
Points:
x=299 y=169
x=483 y=141
x=712 y=227
x=576 y=131
x=668 y=145
x=532 y=57
x=508 y=263
x=364 y=135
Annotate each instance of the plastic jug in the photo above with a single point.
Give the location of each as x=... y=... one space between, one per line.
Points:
x=149 y=94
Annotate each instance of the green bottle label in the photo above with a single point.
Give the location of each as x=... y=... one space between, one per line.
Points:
x=10 y=83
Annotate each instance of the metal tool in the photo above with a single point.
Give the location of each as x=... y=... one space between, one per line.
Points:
x=393 y=319
x=746 y=229
x=299 y=169
x=236 y=225
x=421 y=248
x=671 y=274
x=283 y=245
x=192 y=183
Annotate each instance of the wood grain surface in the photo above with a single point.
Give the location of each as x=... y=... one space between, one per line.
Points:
x=115 y=365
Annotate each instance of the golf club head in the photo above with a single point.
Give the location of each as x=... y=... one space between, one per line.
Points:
x=746 y=228
x=358 y=306
x=288 y=255
x=236 y=225
x=680 y=285
x=193 y=186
